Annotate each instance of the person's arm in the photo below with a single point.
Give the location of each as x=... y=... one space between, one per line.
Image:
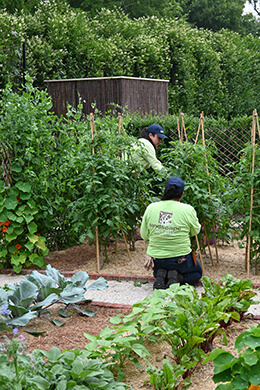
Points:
x=152 y=159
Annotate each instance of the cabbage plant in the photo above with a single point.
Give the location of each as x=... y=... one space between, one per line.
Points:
x=19 y=303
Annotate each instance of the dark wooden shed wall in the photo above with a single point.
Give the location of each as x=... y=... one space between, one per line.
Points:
x=135 y=94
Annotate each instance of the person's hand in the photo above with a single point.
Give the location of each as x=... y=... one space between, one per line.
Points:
x=148 y=262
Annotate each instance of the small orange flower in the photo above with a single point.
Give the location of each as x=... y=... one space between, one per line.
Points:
x=4 y=229
x=38 y=234
x=254 y=387
x=18 y=246
x=18 y=198
x=7 y=223
x=1 y=223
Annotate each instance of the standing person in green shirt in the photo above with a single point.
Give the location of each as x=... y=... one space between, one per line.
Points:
x=144 y=151
x=168 y=226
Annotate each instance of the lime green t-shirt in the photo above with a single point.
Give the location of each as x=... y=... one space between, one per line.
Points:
x=168 y=226
x=144 y=153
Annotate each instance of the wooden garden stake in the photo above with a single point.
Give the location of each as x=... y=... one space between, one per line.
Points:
x=124 y=236
x=207 y=239
x=92 y=126
x=178 y=128
x=183 y=130
x=201 y=126
x=120 y=124
x=201 y=260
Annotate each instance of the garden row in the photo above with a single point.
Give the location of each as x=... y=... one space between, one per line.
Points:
x=179 y=317
x=61 y=182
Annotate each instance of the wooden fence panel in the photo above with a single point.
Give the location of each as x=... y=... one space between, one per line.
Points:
x=134 y=94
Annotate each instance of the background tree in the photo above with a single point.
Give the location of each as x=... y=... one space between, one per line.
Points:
x=168 y=8
x=256 y=4
x=13 y=6
x=215 y=14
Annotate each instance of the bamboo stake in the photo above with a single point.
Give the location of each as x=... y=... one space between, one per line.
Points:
x=207 y=169
x=178 y=128
x=198 y=132
x=199 y=251
x=183 y=130
x=207 y=239
x=253 y=133
x=93 y=152
x=123 y=233
x=201 y=125
x=120 y=123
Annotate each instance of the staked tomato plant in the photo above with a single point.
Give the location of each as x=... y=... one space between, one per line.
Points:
x=245 y=180
x=205 y=191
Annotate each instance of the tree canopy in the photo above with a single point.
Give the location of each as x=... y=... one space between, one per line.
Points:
x=210 y=14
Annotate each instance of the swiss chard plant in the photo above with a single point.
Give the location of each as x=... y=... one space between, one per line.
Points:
x=179 y=316
x=37 y=292
x=235 y=294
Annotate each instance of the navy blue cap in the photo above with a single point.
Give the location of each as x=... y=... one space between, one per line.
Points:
x=175 y=180
x=156 y=129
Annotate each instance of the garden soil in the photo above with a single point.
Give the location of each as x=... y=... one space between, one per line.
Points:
x=231 y=259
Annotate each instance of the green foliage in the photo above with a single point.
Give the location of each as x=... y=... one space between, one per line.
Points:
x=52 y=370
x=204 y=68
x=38 y=292
x=247 y=180
x=202 y=189
x=61 y=182
x=179 y=316
x=13 y=6
x=21 y=244
x=242 y=371
x=215 y=15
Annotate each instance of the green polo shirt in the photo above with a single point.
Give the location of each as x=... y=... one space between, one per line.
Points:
x=168 y=226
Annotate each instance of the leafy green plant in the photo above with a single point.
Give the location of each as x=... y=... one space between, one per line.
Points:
x=179 y=316
x=22 y=243
x=204 y=190
x=170 y=377
x=52 y=370
x=37 y=292
x=242 y=371
x=240 y=199
x=234 y=295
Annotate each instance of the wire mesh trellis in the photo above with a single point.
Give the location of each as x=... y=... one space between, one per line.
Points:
x=6 y=158
x=228 y=145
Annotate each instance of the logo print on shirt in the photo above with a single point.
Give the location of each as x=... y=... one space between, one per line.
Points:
x=165 y=218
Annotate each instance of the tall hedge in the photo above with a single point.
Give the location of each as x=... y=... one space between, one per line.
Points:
x=214 y=72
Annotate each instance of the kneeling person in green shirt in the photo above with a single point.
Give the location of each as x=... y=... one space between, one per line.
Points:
x=168 y=225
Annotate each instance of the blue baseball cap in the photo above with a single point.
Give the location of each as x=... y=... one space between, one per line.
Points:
x=175 y=180
x=156 y=129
